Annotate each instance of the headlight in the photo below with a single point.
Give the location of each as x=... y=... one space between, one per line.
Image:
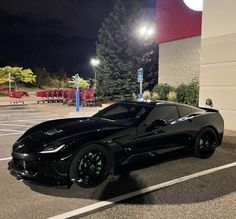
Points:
x=52 y=149
x=52 y=131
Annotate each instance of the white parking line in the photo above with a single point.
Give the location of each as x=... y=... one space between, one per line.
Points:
x=17 y=125
x=41 y=119
x=58 y=117
x=19 y=133
x=23 y=124
x=23 y=113
x=6 y=158
x=32 y=120
x=10 y=130
x=91 y=208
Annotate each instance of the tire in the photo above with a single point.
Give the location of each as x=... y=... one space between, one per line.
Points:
x=205 y=143
x=90 y=166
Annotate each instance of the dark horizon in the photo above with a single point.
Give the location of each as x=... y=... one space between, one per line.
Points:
x=34 y=31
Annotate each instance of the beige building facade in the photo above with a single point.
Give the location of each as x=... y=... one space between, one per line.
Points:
x=218 y=58
x=179 y=61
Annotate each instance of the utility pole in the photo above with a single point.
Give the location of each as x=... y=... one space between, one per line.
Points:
x=77 y=97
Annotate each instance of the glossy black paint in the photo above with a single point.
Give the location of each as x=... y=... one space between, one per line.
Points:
x=127 y=140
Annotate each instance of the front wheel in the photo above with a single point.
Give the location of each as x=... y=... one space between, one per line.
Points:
x=205 y=143
x=90 y=166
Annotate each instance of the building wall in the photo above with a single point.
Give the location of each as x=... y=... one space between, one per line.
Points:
x=218 y=58
x=179 y=61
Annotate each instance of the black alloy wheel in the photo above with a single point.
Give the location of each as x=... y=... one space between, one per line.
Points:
x=90 y=166
x=205 y=143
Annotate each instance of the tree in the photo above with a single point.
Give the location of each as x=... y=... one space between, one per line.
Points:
x=18 y=74
x=4 y=78
x=120 y=52
x=91 y=82
x=43 y=77
x=82 y=83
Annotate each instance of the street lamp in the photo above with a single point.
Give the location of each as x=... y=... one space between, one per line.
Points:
x=146 y=31
x=95 y=62
x=9 y=83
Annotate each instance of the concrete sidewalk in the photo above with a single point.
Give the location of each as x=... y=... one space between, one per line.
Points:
x=6 y=101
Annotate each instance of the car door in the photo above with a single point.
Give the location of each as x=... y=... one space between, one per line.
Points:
x=161 y=130
x=125 y=117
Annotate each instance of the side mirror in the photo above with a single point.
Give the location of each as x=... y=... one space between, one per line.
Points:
x=159 y=122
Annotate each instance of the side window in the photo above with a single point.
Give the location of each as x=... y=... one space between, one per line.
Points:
x=168 y=113
x=184 y=110
x=115 y=111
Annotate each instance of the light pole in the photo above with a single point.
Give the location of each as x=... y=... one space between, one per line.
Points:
x=147 y=33
x=95 y=62
x=9 y=81
x=77 y=97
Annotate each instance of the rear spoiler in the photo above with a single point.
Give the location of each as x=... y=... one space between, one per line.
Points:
x=209 y=109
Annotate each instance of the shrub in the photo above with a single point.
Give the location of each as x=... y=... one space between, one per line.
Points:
x=188 y=93
x=155 y=96
x=172 y=96
x=163 y=90
x=147 y=95
x=134 y=97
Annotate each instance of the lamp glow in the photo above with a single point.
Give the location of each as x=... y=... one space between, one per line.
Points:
x=94 y=62
x=143 y=30
x=196 y=5
x=150 y=32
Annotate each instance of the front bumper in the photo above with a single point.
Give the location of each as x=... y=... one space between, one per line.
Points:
x=29 y=167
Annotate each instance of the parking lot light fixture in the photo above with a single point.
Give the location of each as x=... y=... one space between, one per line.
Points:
x=150 y=32
x=143 y=30
x=94 y=62
x=146 y=32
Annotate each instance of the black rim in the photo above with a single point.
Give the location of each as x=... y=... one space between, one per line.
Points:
x=92 y=168
x=207 y=143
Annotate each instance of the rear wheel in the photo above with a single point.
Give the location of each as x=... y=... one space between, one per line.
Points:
x=205 y=143
x=90 y=166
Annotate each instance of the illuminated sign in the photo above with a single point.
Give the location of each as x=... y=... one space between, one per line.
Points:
x=196 y=5
x=175 y=20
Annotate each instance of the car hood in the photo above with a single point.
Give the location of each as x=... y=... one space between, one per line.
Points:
x=59 y=130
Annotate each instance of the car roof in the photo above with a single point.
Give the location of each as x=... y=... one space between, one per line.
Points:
x=150 y=103
x=158 y=102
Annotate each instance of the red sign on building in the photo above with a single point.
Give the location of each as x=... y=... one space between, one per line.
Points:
x=176 y=21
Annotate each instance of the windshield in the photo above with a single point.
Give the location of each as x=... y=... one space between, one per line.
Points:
x=123 y=112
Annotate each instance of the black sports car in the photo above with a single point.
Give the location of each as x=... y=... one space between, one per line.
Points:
x=86 y=150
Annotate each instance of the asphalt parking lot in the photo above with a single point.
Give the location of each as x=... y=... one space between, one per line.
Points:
x=171 y=186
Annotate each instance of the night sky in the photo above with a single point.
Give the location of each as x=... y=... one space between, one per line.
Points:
x=53 y=34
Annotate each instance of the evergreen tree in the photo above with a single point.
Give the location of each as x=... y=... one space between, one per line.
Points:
x=119 y=51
